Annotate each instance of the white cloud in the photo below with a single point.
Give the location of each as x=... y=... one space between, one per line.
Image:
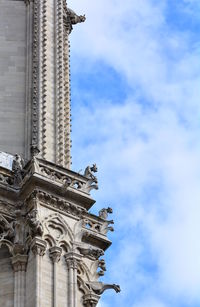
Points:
x=149 y=155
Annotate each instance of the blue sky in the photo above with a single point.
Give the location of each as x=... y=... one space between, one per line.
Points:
x=135 y=70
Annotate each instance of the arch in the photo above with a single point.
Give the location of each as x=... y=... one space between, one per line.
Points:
x=55 y=225
x=65 y=246
x=50 y=240
x=8 y=244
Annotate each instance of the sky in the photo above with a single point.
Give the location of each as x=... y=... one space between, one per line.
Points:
x=135 y=77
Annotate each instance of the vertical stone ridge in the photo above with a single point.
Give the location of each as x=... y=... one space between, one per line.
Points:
x=43 y=76
x=67 y=108
x=35 y=109
x=59 y=83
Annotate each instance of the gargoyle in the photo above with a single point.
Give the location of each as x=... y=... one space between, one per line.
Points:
x=105 y=228
x=7 y=230
x=99 y=287
x=91 y=252
x=34 y=150
x=74 y=18
x=92 y=182
x=102 y=266
x=35 y=226
x=103 y=213
x=89 y=172
x=71 y=18
x=17 y=168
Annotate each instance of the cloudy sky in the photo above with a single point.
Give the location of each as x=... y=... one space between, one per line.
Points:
x=135 y=68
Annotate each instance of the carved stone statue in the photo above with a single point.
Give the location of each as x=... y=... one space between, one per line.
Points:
x=89 y=172
x=105 y=227
x=17 y=168
x=18 y=225
x=102 y=266
x=74 y=18
x=71 y=18
x=7 y=230
x=34 y=151
x=92 y=252
x=92 y=182
x=103 y=213
x=99 y=287
x=35 y=226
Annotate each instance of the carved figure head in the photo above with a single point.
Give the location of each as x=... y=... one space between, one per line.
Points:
x=34 y=150
x=17 y=156
x=94 y=168
x=109 y=210
x=82 y=18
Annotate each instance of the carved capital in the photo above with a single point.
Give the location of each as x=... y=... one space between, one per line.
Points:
x=55 y=253
x=72 y=263
x=19 y=263
x=90 y=300
x=72 y=260
x=38 y=247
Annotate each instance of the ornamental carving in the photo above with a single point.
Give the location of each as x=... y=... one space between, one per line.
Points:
x=91 y=252
x=92 y=182
x=7 y=231
x=70 y=18
x=34 y=225
x=17 y=168
x=99 y=287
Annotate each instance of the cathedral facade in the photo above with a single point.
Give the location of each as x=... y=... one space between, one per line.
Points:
x=51 y=247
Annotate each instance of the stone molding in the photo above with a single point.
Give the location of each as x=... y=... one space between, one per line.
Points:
x=72 y=259
x=65 y=18
x=38 y=247
x=55 y=253
x=19 y=263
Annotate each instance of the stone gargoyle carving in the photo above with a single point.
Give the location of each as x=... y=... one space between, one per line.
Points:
x=102 y=266
x=91 y=252
x=105 y=227
x=35 y=226
x=34 y=150
x=7 y=229
x=103 y=214
x=92 y=182
x=17 y=168
x=99 y=287
x=71 y=18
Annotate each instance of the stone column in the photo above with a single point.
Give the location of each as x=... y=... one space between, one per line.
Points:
x=90 y=300
x=72 y=265
x=55 y=254
x=19 y=263
x=38 y=248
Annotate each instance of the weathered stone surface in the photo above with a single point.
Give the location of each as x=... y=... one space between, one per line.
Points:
x=55 y=244
x=12 y=76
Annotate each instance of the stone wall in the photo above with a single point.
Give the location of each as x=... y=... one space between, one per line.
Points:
x=6 y=279
x=12 y=76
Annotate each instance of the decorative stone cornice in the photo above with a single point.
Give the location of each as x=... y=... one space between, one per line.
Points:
x=38 y=246
x=19 y=263
x=55 y=253
x=60 y=204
